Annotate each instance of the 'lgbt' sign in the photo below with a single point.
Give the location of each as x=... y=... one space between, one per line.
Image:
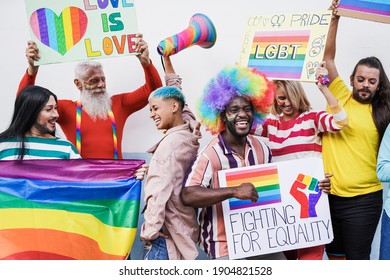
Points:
x=286 y=47
x=291 y=211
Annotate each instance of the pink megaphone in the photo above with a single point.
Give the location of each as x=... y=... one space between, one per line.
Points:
x=201 y=32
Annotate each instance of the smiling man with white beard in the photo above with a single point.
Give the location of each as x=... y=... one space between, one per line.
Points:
x=95 y=122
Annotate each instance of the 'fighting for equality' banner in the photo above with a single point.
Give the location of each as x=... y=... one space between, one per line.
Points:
x=291 y=211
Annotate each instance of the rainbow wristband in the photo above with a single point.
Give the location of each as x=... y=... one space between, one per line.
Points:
x=324 y=80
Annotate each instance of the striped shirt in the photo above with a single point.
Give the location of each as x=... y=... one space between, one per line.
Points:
x=39 y=148
x=217 y=155
x=300 y=137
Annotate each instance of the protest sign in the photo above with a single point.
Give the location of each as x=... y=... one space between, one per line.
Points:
x=71 y=30
x=286 y=46
x=291 y=211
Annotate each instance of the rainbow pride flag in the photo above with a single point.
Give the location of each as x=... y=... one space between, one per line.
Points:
x=265 y=180
x=68 y=209
x=374 y=10
x=279 y=54
x=379 y=7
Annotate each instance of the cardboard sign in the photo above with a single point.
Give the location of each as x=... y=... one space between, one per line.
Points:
x=286 y=46
x=71 y=30
x=291 y=211
x=374 y=10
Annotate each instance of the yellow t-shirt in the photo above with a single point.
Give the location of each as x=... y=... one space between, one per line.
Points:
x=351 y=154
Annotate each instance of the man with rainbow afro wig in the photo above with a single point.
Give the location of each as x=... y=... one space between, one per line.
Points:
x=233 y=103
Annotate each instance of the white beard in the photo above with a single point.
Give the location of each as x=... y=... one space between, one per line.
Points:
x=96 y=105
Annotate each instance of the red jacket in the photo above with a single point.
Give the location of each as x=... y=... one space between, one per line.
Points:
x=96 y=136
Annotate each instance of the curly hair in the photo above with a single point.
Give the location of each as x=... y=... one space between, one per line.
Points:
x=233 y=82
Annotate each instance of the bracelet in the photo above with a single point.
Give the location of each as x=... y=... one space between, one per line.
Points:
x=324 y=80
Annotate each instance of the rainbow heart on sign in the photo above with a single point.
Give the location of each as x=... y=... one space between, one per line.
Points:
x=62 y=32
x=311 y=68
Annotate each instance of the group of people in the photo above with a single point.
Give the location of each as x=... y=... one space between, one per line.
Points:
x=183 y=198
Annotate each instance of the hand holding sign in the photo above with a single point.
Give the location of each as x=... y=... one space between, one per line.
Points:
x=246 y=191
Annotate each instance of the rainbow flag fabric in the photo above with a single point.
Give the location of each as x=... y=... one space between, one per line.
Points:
x=265 y=180
x=68 y=209
x=380 y=7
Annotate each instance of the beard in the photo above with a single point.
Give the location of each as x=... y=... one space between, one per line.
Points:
x=369 y=95
x=43 y=129
x=96 y=103
x=231 y=126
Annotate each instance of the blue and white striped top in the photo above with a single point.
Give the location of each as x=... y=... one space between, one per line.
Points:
x=39 y=148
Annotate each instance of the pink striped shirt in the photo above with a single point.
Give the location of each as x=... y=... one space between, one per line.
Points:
x=300 y=137
x=217 y=155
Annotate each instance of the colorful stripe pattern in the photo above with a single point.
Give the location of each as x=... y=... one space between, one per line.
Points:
x=201 y=32
x=68 y=209
x=279 y=54
x=62 y=32
x=265 y=180
x=308 y=201
x=78 y=129
x=378 y=7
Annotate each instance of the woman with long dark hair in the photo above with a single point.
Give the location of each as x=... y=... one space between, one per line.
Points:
x=31 y=134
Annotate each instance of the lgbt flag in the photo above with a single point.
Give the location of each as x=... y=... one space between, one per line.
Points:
x=68 y=209
x=376 y=10
x=264 y=178
x=279 y=54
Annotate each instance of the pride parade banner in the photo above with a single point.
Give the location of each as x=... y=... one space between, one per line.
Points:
x=291 y=211
x=71 y=30
x=374 y=10
x=68 y=209
x=286 y=46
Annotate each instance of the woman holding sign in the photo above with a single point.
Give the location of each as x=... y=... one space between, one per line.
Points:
x=294 y=131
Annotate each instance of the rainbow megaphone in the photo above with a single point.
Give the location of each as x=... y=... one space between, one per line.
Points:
x=201 y=32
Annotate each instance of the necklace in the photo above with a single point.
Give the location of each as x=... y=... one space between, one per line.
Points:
x=78 y=129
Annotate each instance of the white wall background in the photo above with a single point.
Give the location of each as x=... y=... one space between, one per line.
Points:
x=160 y=19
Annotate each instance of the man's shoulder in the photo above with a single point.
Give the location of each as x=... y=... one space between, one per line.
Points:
x=256 y=139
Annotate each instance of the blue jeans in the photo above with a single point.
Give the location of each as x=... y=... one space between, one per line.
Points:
x=156 y=250
x=384 y=251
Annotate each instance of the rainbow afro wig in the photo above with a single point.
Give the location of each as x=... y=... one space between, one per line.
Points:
x=229 y=83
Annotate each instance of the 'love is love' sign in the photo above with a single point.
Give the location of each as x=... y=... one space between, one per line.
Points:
x=70 y=30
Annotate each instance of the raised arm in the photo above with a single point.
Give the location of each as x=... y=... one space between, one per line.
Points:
x=339 y=118
x=330 y=47
x=322 y=75
x=199 y=197
x=172 y=79
x=32 y=54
